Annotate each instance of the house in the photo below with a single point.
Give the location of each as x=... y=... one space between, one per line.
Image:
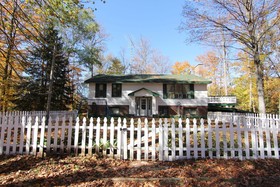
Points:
x=148 y=95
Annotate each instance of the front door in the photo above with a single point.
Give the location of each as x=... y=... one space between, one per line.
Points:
x=144 y=106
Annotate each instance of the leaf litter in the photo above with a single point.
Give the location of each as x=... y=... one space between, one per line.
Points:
x=27 y=170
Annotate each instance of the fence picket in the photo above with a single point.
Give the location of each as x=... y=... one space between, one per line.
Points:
x=173 y=138
x=139 y=151
x=55 y=142
x=124 y=139
x=224 y=133
x=112 y=132
x=239 y=141
x=84 y=136
x=195 y=147
x=62 y=142
x=97 y=138
x=202 y=138
x=153 y=139
x=42 y=137
x=10 y=126
x=105 y=129
x=180 y=139
x=90 y=136
x=210 y=145
x=188 y=138
x=231 y=134
x=22 y=131
x=76 y=137
x=16 y=127
x=160 y=141
x=119 y=142
x=69 y=135
x=28 y=135
x=146 y=140
x=2 y=134
x=165 y=140
x=131 y=139
x=217 y=134
x=35 y=136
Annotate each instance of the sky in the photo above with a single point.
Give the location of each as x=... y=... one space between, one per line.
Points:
x=155 y=20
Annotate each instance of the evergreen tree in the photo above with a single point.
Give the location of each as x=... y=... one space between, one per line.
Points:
x=34 y=90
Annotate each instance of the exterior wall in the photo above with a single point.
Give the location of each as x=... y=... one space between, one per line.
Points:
x=200 y=100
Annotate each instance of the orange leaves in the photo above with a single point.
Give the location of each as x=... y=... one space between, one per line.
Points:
x=181 y=68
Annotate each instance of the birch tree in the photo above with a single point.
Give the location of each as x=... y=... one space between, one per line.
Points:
x=247 y=23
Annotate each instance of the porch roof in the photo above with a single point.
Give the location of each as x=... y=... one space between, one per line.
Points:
x=147 y=90
x=149 y=78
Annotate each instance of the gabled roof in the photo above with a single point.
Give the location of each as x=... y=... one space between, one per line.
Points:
x=148 y=78
x=147 y=90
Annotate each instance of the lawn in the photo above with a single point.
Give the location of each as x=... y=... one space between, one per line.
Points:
x=23 y=170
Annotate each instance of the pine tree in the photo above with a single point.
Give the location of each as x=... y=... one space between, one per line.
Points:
x=34 y=90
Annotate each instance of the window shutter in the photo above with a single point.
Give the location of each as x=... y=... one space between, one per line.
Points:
x=164 y=91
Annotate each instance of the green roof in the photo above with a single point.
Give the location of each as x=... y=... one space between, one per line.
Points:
x=148 y=78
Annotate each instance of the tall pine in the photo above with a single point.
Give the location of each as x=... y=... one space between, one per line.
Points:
x=34 y=89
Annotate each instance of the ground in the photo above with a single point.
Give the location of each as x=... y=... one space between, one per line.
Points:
x=23 y=170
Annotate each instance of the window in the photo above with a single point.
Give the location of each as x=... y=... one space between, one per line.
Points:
x=116 y=90
x=178 y=91
x=115 y=110
x=190 y=112
x=100 y=90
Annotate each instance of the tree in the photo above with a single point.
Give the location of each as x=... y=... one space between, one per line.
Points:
x=145 y=59
x=35 y=88
x=211 y=67
x=181 y=68
x=116 y=67
x=14 y=31
x=245 y=22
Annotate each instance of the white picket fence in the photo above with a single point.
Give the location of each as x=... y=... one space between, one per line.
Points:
x=244 y=137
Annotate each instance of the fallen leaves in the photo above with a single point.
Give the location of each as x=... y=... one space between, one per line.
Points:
x=24 y=170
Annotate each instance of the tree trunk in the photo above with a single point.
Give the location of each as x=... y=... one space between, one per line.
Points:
x=50 y=90
x=260 y=83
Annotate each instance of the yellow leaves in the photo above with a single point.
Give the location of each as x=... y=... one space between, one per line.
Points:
x=181 y=68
